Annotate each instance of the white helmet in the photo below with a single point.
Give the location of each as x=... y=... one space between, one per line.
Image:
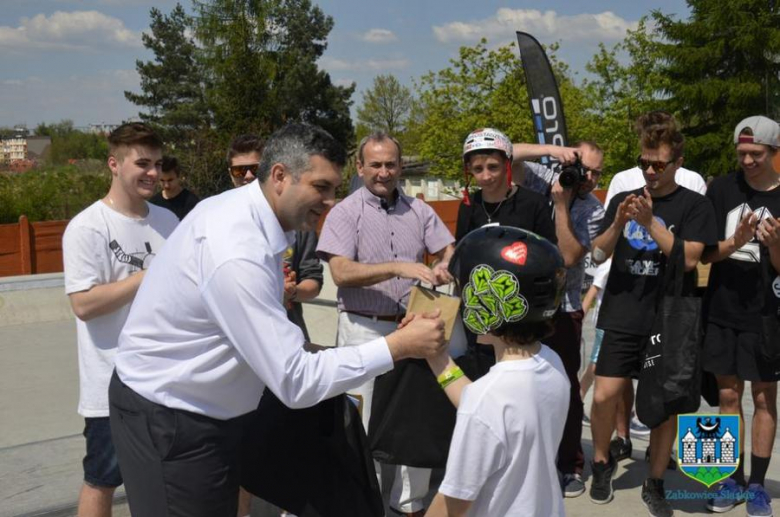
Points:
x=488 y=139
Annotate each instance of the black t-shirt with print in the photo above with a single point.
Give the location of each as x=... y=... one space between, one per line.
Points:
x=638 y=264
x=736 y=292
x=524 y=209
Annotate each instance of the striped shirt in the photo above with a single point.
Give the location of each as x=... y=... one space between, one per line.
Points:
x=360 y=229
x=586 y=215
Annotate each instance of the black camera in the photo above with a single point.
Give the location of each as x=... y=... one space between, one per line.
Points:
x=573 y=175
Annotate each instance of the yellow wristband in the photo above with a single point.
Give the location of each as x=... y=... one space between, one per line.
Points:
x=449 y=376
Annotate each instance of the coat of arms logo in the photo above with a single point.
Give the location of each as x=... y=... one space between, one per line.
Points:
x=708 y=446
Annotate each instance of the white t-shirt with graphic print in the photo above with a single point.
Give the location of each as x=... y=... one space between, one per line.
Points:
x=102 y=246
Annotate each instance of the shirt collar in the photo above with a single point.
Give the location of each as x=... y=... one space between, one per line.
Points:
x=376 y=201
x=266 y=220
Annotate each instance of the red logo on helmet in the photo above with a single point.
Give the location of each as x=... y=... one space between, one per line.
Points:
x=516 y=253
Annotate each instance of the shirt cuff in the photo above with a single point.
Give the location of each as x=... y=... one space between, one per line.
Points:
x=376 y=357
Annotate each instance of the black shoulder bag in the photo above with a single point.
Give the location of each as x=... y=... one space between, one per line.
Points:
x=670 y=379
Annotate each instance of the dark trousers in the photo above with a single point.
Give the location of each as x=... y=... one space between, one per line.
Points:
x=174 y=462
x=566 y=343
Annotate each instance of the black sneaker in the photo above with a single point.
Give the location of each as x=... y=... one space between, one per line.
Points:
x=672 y=465
x=654 y=498
x=621 y=448
x=601 y=484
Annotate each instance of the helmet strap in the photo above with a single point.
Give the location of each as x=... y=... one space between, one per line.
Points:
x=466 y=198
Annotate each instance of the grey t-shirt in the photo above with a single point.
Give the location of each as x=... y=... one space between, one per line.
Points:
x=586 y=216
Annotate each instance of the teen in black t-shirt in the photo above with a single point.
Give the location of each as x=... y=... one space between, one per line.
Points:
x=639 y=231
x=638 y=263
x=744 y=286
x=522 y=208
x=180 y=205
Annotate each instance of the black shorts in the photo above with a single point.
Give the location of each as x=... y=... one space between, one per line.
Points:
x=621 y=354
x=729 y=351
x=101 y=468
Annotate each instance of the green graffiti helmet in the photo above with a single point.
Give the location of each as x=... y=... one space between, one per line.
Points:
x=507 y=275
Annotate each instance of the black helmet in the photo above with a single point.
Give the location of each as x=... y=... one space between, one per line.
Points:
x=507 y=275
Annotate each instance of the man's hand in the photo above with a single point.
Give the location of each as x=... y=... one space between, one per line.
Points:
x=768 y=232
x=561 y=196
x=746 y=230
x=625 y=211
x=415 y=271
x=643 y=209
x=290 y=287
x=419 y=336
x=565 y=155
x=442 y=273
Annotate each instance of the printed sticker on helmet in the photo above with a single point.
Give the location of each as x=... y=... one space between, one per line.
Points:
x=480 y=278
x=473 y=323
x=490 y=303
x=470 y=299
x=492 y=320
x=517 y=253
x=504 y=284
x=515 y=308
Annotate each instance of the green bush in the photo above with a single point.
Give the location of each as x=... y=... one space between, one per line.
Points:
x=51 y=193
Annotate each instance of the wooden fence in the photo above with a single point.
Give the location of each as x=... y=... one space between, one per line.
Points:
x=30 y=248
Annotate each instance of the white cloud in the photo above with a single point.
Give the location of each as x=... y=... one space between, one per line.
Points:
x=379 y=36
x=375 y=64
x=76 y=30
x=85 y=99
x=548 y=25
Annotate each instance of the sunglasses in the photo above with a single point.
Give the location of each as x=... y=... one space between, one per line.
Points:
x=239 y=171
x=657 y=165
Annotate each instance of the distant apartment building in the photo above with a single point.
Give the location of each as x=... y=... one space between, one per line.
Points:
x=22 y=148
x=14 y=148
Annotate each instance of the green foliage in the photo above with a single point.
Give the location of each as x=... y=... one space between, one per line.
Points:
x=172 y=83
x=485 y=88
x=237 y=66
x=386 y=106
x=710 y=476
x=51 y=193
x=68 y=143
x=722 y=65
x=621 y=92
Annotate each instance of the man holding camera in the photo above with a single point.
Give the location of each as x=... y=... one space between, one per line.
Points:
x=578 y=215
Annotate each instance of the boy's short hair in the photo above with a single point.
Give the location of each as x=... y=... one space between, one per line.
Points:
x=657 y=128
x=170 y=164
x=129 y=135
x=524 y=334
x=245 y=144
x=378 y=136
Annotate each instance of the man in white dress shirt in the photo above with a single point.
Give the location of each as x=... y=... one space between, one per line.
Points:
x=208 y=331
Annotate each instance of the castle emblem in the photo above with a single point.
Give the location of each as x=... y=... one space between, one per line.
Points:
x=708 y=446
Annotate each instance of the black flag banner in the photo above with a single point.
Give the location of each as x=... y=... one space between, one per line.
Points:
x=546 y=105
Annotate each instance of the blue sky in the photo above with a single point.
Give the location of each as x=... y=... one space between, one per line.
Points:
x=74 y=58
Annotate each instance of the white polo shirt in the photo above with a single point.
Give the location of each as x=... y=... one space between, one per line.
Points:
x=207 y=330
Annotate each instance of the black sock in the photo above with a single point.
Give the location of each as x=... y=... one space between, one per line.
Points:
x=739 y=474
x=758 y=468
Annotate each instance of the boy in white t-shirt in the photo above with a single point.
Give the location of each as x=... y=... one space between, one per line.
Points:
x=510 y=422
x=106 y=249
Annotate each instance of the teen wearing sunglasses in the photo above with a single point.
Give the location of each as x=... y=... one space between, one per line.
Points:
x=244 y=159
x=639 y=228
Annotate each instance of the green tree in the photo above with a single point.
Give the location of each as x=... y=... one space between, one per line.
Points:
x=260 y=57
x=722 y=65
x=172 y=83
x=386 y=105
x=620 y=92
x=485 y=88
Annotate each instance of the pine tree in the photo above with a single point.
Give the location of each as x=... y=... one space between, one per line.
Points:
x=723 y=65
